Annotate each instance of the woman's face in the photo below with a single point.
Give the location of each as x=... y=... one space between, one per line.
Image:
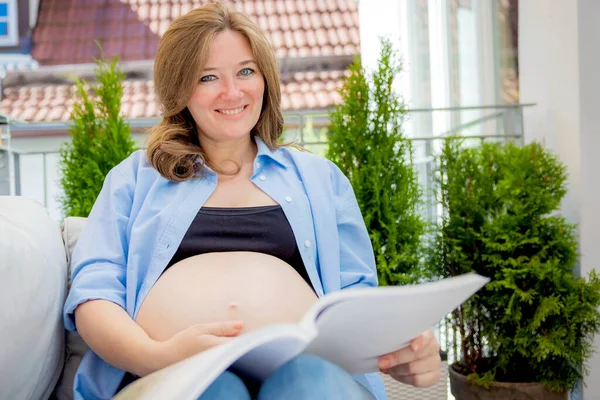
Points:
x=227 y=100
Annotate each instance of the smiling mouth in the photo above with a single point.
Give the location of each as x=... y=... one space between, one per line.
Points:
x=231 y=111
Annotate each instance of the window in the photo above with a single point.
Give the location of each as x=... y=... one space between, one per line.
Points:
x=9 y=34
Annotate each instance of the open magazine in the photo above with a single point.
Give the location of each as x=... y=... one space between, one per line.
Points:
x=351 y=328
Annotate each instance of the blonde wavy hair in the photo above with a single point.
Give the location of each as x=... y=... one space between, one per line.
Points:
x=173 y=145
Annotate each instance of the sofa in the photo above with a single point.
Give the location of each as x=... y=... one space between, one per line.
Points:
x=38 y=359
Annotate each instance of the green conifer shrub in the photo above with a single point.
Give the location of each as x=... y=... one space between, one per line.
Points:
x=100 y=139
x=535 y=321
x=366 y=142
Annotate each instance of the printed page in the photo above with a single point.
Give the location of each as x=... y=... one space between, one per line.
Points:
x=360 y=325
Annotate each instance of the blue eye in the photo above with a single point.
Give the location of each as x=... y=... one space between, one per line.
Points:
x=208 y=78
x=247 y=72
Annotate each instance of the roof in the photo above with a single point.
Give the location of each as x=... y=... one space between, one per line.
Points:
x=66 y=29
x=314 y=41
x=53 y=102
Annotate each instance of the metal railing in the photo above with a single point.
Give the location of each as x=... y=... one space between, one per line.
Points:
x=35 y=173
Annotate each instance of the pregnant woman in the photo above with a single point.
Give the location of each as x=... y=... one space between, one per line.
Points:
x=218 y=229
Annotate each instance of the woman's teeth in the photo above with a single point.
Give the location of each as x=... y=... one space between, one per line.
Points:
x=232 y=112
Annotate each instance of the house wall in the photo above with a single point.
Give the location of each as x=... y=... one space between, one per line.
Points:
x=559 y=63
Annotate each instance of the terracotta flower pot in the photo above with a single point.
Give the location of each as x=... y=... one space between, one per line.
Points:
x=463 y=390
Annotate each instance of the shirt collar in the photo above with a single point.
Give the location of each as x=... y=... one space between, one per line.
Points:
x=264 y=151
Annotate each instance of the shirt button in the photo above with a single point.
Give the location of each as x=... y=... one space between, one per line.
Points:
x=262 y=177
x=288 y=199
x=307 y=243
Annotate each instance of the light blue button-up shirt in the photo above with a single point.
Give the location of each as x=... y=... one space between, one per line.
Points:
x=140 y=218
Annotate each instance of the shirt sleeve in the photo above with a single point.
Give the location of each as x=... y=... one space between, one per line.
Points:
x=357 y=261
x=98 y=264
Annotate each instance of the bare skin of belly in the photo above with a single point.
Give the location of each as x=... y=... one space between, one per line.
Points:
x=255 y=288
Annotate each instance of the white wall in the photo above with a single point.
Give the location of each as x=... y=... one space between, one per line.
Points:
x=549 y=77
x=559 y=63
x=589 y=140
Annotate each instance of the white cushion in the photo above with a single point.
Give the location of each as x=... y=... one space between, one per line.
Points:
x=33 y=286
x=75 y=346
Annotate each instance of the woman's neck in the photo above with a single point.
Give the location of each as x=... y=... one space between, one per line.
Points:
x=229 y=155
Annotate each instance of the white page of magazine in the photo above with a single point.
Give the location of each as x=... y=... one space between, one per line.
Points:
x=361 y=325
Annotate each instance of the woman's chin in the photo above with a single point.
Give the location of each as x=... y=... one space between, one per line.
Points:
x=230 y=135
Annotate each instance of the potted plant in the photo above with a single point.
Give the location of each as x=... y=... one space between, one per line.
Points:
x=529 y=333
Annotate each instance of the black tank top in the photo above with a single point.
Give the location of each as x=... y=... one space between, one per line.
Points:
x=259 y=229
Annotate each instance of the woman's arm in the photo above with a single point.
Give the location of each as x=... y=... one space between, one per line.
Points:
x=116 y=338
x=98 y=263
x=95 y=306
x=357 y=260
x=418 y=364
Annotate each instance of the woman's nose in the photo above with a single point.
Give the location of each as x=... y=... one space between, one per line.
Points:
x=231 y=91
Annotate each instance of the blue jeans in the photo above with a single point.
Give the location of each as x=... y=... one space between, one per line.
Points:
x=304 y=377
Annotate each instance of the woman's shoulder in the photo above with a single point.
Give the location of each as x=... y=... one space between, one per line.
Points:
x=136 y=165
x=304 y=157
x=308 y=162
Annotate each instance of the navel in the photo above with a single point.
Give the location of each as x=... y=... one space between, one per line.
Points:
x=233 y=305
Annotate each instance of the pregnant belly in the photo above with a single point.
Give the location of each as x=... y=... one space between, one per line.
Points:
x=256 y=288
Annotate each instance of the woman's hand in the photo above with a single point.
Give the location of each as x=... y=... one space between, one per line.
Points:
x=418 y=364
x=191 y=341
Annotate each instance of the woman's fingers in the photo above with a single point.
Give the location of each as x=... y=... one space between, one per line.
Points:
x=424 y=346
x=418 y=364
x=423 y=341
x=228 y=328
x=421 y=366
x=420 y=380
